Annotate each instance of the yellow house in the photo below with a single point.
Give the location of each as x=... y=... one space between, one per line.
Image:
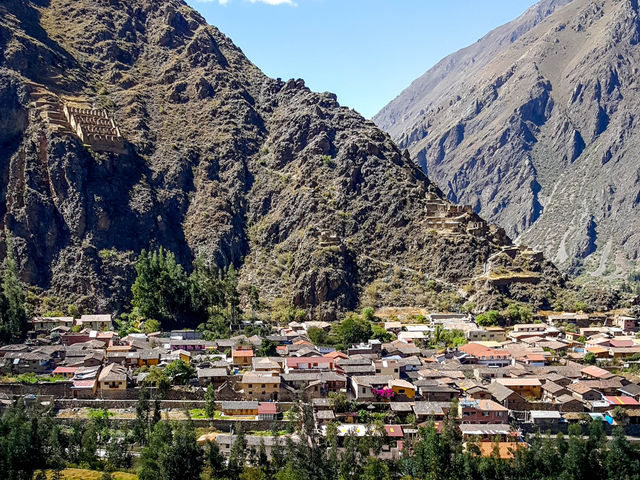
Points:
x=148 y=358
x=240 y=409
x=242 y=357
x=402 y=387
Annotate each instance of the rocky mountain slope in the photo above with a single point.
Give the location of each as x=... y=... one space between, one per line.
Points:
x=310 y=201
x=535 y=127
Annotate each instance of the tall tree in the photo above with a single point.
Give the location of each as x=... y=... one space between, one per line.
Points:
x=161 y=288
x=13 y=313
x=210 y=399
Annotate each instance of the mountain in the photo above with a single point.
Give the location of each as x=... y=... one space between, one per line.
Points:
x=534 y=126
x=129 y=125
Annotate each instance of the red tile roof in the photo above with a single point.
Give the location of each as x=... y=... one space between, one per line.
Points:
x=59 y=370
x=596 y=372
x=242 y=353
x=267 y=408
x=394 y=431
x=482 y=352
x=627 y=401
x=294 y=361
x=84 y=383
x=335 y=354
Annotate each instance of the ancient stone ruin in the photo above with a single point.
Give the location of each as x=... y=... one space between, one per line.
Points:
x=95 y=128
x=453 y=219
x=329 y=239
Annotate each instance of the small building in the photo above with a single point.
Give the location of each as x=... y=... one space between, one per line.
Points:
x=268 y=411
x=568 y=403
x=46 y=324
x=216 y=376
x=68 y=372
x=226 y=441
x=596 y=373
x=364 y=386
x=526 y=387
x=324 y=416
x=551 y=391
x=242 y=357
x=240 y=408
x=309 y=363
x=545 y=419
x=622 y=401
x=260 y=386
x=584 y=392
x=402 y=387
x=483 y=431
x=507 y=397
x=488 y=334
x=430 y=411
x=482 y=411
x=29 y=362
x=112 y=381
x=96 y=322
x=490 y=357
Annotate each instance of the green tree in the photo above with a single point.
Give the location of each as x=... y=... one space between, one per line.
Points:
x=517 y=313
x=489 y=319
x=13 y=313
x=210 y=398
x=622 y=460
x=317 y=335
x=141 y=425
x=352 y=330
x=379 y=333
x=159 y=379
x=590 y=358
x=375 y=469
x=151 y=326
x=267 y=348
x=161 y=288
x=180 y=372
x=184 y=458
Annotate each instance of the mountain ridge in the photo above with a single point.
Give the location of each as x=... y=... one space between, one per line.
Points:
x=311 y=203
x=534 y=138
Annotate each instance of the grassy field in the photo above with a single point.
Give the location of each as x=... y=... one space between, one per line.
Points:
x=81 y=474
x=32 y=378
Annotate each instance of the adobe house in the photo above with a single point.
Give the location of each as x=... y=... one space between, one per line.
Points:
x=482 y=411
x=242 y=357
x=112 y=381
x=526 y=387
x=260 y=386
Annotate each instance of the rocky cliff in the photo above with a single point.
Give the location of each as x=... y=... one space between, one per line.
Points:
x=535 y=127
x=310 y=201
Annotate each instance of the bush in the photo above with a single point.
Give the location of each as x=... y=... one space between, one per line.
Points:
x=590 y=359
x=491 y=318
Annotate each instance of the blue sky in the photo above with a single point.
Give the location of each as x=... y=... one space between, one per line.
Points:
x=365 y=51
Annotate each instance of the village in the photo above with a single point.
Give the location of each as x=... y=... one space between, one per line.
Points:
x=504 y=383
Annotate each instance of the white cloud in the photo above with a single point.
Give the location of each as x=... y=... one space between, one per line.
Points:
x=268 y=2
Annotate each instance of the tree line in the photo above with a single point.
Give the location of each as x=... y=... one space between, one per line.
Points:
x=31 y=442
x=167 y=297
